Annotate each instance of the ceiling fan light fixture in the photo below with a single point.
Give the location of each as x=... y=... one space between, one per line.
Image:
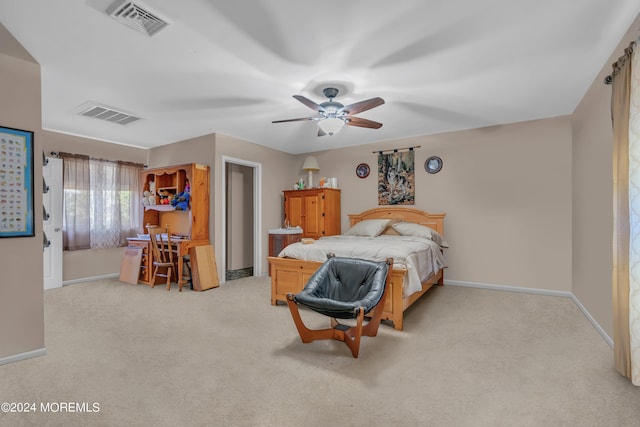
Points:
x=331 y=125
x=332 y=115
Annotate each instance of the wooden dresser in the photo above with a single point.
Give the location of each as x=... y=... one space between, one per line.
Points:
x=316 y=210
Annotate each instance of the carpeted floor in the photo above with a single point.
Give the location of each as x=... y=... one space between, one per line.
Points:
x=226 y=357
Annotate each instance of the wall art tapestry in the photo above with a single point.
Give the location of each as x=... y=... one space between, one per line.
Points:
x=16 y=183
x=396 y=178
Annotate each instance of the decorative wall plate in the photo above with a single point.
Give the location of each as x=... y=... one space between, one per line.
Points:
x=433 y=164
x=362 y=170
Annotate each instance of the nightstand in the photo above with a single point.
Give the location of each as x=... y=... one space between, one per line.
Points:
x=280 y=238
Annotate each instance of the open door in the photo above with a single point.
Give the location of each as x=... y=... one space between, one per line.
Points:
x=52 y=222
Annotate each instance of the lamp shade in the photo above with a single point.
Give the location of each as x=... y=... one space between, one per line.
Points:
x=331 y=126
x=310 y=164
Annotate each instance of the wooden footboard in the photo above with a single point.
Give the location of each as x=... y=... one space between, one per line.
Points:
x=290 y=275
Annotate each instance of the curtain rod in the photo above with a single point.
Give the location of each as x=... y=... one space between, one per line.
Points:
x=619 y=63
x=61 y=154
x=396 y=150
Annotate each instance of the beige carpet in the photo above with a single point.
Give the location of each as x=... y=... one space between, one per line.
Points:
x=225 y=357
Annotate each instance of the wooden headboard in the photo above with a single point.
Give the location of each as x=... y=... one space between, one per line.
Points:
x=435 y=221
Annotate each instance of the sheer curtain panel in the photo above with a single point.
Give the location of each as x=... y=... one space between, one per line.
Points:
x=76 y=222
x=115 y=203
x=101 y=202
x=626 y=215
x=634 y=215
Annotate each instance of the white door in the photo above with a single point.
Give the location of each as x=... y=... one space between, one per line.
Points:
x=52 y=226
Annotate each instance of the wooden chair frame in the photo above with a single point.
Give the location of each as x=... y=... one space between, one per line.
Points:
x=350 y=335
x=162 y=255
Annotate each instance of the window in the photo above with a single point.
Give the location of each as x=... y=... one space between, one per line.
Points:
x=101 y=202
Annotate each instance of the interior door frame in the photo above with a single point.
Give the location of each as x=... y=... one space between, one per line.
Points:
x=257 y=214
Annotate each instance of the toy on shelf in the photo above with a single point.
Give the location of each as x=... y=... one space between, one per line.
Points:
x=146 y=198
x=181 y=201
x=165 y=197
x=149 y=196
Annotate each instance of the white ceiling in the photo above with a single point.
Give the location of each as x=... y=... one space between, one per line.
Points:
x=232 y=66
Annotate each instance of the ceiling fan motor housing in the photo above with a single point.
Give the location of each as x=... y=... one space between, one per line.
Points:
x=330 y=92
x=331 y=107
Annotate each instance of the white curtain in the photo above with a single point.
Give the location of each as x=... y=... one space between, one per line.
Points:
x=76 y=222
x=101 y=202
x=634 y=219
x=115 y=203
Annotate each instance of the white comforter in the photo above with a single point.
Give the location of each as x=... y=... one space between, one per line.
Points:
x=421 y=258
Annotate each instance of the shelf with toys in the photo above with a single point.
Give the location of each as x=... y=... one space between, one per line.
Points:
x=161 y=208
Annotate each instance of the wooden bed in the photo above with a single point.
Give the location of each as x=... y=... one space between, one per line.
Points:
x=290 y=275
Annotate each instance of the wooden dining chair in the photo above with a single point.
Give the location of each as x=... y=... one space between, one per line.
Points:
x=162 y=254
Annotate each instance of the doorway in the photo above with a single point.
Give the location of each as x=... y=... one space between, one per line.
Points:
x=241 y=219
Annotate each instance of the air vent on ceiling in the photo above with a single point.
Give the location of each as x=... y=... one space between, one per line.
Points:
x=136 y=16
x=108 y=114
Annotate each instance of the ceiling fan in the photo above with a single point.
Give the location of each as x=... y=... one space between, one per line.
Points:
x=333 y=115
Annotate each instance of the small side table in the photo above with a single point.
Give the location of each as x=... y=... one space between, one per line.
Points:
x=280 y=238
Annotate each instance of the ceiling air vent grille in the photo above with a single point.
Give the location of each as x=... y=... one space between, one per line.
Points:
x=137 y=17
x=108 y=114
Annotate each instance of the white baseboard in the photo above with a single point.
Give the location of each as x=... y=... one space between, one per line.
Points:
x=536 y=291
x=22 y=356
x=595 y=324
x=90 y=279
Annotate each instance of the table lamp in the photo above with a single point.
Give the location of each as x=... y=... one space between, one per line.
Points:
x=310 y=164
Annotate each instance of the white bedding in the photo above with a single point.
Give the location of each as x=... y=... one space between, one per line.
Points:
x=420 y=257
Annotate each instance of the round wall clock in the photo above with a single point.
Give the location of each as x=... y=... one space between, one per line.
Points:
x=362 y=170
x=433 y=164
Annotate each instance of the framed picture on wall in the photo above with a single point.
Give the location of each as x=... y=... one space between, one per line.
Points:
x=16 y=183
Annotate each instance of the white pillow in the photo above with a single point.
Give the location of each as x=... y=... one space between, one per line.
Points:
x=417 y=230
x=368 y=228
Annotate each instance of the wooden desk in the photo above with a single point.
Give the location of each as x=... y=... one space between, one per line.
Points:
x=146 y=264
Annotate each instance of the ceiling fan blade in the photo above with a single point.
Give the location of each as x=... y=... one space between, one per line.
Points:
x=363 y=123
x=294 y=120
x=361 y=106
x=309 y=103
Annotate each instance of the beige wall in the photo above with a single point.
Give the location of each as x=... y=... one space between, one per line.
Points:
x=506 y=191
x=207 y=149
x=593 y=194
x=82 y=264
x=196 y=150
x=60 y=142
x=528 y=204
x=21 y=286
x=78 y=265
